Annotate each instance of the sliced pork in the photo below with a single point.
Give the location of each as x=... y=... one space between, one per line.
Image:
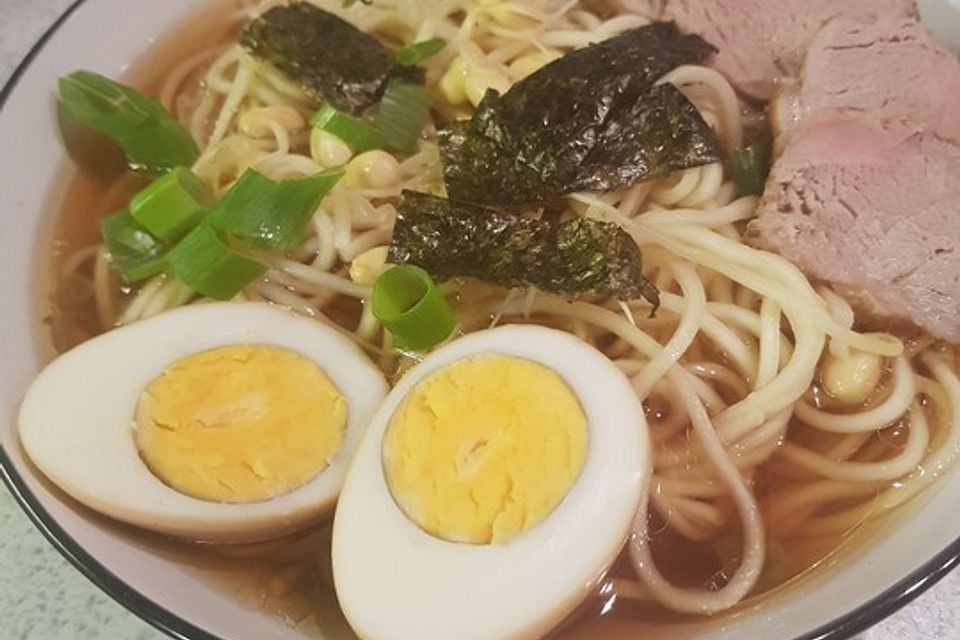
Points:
x=877 y=214
x=761 y=41
x=891 y=73
x=865 y=194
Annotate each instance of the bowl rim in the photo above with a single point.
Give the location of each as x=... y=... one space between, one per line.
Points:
x=841 y=628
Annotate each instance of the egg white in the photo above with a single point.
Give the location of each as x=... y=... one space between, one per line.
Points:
x=77 y=419
x=397 y=582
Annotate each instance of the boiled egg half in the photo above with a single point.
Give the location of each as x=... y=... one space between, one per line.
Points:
x=223 y=422
x=492 y=490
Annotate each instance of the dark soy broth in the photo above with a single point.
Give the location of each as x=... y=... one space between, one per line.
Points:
x=291 y=578
x=101 y=186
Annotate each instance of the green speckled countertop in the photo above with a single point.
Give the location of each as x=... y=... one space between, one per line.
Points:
x=43 y=598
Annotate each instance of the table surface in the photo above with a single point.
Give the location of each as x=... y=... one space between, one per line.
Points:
x=44 y=598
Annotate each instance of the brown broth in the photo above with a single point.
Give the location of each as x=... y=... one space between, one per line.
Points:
x=291 y=579
x=102 y=186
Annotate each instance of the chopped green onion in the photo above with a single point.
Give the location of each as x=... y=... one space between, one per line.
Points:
x=172 y=205
x=409 y=304
x=151 y=138
x=204 y=262
x=358 y=134
x=413 y=54
x=402 y=114
x=266 y=214
x=750 y=166
x=133 y=252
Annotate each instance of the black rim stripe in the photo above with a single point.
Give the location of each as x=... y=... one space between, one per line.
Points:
x=841 y=628
x=891 y=600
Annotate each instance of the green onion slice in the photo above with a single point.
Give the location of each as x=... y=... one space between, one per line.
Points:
x=208 y=265
x=408 y=303
x=750 y=166
x=132 y=251
x=360 y=135
x=402 y=114
x=172 y=205
x=266 y=214
x=413 y=54
x=151 y=138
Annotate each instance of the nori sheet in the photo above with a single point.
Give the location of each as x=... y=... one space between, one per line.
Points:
x=327 y=56
x=660 y=133
x=590 y=120
x=455 y=239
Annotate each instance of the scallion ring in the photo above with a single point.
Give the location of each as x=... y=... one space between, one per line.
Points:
x=408 y=303
x=413 y=54
x=206 y=263
x=358 y=134
x=750 y=166
x=171 y=206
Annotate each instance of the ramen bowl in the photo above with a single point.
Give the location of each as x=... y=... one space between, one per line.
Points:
x=904 y=555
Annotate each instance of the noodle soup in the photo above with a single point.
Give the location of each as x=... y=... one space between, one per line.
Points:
x=782 y=435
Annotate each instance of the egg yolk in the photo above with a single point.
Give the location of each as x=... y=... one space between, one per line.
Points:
x=240 y=424
x=485 y=449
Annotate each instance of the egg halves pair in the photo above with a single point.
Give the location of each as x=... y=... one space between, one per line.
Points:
x=486 y=494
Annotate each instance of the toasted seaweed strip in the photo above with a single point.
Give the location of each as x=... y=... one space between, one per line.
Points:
x=327 y=56
x=455 y=239
x=584 y=87
x=591 y=119
x=474 y=169
x=659 y=133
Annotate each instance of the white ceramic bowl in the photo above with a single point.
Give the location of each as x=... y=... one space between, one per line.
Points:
x=835 y=602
